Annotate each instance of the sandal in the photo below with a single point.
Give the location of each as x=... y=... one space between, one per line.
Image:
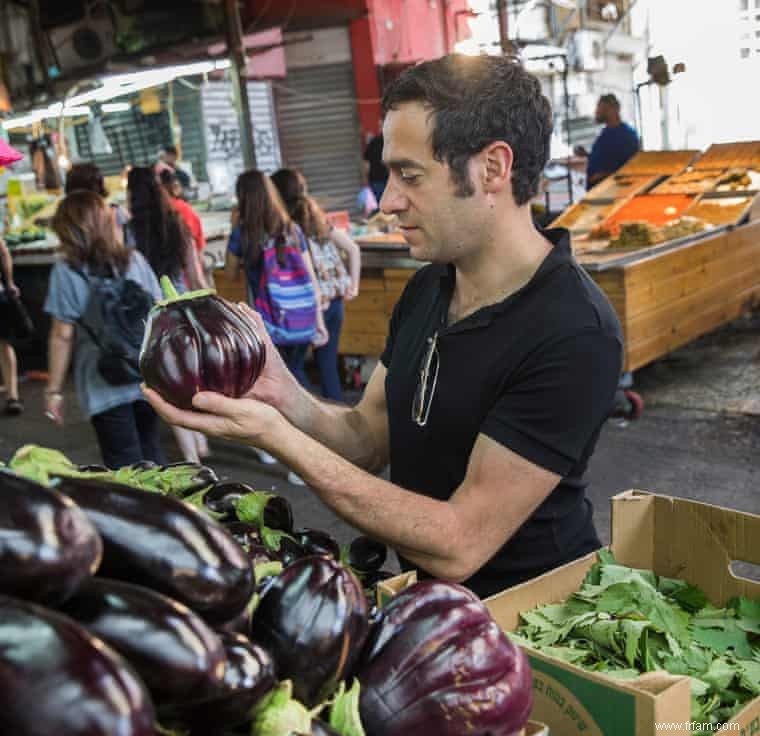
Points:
x=14 y=407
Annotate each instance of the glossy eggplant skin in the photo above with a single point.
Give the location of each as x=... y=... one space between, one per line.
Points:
x=316 y=542
x=196 y=344
x=173 y=650
x=366 y=555
x=48 y=546
x=167 y=545
x=436 y=662
x=248 y=675
x=312 y=619
x=56 y=678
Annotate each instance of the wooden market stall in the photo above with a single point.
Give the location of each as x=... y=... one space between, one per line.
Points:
x=673 y=240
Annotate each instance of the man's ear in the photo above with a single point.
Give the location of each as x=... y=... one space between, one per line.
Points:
x=497 y=159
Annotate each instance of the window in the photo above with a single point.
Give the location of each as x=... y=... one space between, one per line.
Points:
x=743 y=53
x=743 y=4
x=757 y=4
x=757 y=34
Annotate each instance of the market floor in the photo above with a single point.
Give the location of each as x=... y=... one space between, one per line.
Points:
x=699 y=436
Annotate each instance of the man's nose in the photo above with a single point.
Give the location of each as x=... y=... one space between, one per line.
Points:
x=393 y=201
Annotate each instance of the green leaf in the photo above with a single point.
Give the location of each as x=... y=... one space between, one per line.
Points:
x=690 y=598
x=749 y=675
x=631 y=632
x=747 y=614
x=344 y=713
x=720 y=674
x=266 y=569
x=722 y=635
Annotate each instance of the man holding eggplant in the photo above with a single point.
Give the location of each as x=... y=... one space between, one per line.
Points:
x=502 y=358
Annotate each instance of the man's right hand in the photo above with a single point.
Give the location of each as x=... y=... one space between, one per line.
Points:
x=276 y=385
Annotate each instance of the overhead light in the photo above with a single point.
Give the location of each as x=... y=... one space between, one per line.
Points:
x=116 y=85
x=610 y=12
x=116 y=107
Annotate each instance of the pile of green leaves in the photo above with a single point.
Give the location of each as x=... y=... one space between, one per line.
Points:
x=624 y=622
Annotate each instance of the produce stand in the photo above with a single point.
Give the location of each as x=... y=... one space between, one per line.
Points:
x=671 y=537
x=666 y=293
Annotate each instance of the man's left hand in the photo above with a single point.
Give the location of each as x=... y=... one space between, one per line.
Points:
x=244 y=420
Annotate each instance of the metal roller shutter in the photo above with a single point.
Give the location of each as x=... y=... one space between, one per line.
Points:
x=319 y=131
x=222 y=132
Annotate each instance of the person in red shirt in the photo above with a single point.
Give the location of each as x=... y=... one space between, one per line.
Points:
x=184 y=210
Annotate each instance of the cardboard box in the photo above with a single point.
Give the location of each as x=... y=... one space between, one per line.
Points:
x=674 y=537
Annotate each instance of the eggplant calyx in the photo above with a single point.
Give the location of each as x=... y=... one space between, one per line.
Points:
x=250 y=508
x=266 y=569
x=272 y=538
x=279 y=713
x=171 y=295
x=344 y=710
x=196 y=500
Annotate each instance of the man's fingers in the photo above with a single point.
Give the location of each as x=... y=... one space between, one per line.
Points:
x=217 y=404
x=206 y=423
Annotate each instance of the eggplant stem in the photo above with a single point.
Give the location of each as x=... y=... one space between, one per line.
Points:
x=167 y=287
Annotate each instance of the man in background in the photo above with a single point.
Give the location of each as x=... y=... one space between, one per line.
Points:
x=617 y=142
x=375 y=170
x=168 y=157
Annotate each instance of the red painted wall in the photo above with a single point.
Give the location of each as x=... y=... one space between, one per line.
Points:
x=366 y=82
x=407 y=31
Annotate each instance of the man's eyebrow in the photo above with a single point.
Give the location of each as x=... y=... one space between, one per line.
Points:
x=403 y=163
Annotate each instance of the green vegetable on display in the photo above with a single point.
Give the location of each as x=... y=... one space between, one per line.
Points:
x=624 y=622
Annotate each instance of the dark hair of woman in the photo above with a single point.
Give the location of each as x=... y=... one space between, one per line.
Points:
x=160 y=235
x=84 y=225
x=85 y=176
x=291 y=187
x=262 y=216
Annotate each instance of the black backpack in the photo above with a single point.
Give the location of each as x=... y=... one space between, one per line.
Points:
x=115 y=319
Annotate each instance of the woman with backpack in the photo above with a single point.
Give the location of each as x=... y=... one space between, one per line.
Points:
x=158 y=232
x=336 y=283
x=125 y=425
x=282 y=285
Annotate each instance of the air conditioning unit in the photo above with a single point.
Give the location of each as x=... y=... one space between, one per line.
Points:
x=86 y=42
x=586 y=52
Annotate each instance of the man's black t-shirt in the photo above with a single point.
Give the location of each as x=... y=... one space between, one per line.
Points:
x=373 y=154
x=536 y=372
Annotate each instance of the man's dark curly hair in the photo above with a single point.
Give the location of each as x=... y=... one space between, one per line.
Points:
x=476 y=100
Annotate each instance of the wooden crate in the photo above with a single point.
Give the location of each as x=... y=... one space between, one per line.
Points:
x=659 y=162
x=365 y=327
x=728 y=155
x=666 y=300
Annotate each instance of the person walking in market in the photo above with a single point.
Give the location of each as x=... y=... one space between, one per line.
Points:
x=125 y=425
x=501 y=362
x=158 y=231
x=8 y=364
x=336 y=282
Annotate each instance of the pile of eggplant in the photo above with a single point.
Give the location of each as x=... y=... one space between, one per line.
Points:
x=161 y=601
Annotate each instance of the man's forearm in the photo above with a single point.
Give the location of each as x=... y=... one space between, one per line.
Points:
x=422 y=529
x=341 y=428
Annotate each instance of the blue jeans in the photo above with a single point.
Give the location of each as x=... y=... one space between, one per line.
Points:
x=127 y=434
x=295 y=358
x=327 y=355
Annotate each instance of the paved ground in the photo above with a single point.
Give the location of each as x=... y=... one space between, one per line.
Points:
x=699 y=436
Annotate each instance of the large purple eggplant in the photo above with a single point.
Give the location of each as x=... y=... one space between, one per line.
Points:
x=199 y=342
x=57 y=679
x=173 y=650
x=436 y=662
x=312 y=619
x=48 y=546
x=167 y=545
x=248 y=675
